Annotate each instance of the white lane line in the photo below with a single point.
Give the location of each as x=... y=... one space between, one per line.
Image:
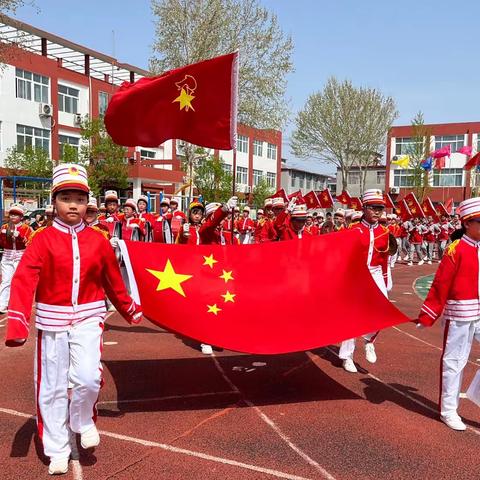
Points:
x=407 y=293
x=427 y=343
x=110 y=343
x=403 y=394
x=77 y=470
x=190 y=453
x=171 y=397
x=273 y=425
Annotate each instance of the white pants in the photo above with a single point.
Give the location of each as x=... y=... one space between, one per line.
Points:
x=63 y=358
x=458 y=340
x=10 y=261
x=245 y=238
x=347 y=347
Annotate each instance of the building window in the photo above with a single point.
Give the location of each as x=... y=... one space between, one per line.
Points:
x=353 y=178
x=308 y=181
x=381 y=178
x=292 y=179
x=74 y=142
x=455 y=142
x=242 y=175
x=403 y=178
x=301 y=180
x=25 y=81
x=448 y=177
x=272 y=151
x=102 y=103
x=406 y=145
x=32 y=137
x=242 y=144
x=68 y=99
x=147 y=153
x=227 y=168
x=257 y=176
x=271 y=179
x=258 y=148
x=478 y=142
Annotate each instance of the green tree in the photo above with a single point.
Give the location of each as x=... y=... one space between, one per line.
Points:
x=104 y=159
x=29 y=162
x=260 y=192
x=343 y=125
x=211 y=179
x=418 y=150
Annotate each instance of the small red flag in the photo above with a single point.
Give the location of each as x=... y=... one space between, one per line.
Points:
x=473 y=162
x=326 y=199
x=207 y=292
x=466 y=150
x=403 y=211
x=280 y=194
x=441 y=152
x=312 y=200
x=440 y=163
x=389 y=203
x=429 y=209
x=344 y=198
x=441 y=210
x=449 y=206
x=355 y=203
x=196 y=103
x=414 y=206
x=298 y=195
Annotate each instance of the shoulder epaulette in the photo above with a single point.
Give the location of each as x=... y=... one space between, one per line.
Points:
x=34 y=234
x=452 y=248
x=100 y=230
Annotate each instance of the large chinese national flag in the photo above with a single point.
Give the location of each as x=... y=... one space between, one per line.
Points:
x=196 y=103
x=265 y=298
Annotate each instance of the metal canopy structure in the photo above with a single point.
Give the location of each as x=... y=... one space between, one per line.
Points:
x=73 y=56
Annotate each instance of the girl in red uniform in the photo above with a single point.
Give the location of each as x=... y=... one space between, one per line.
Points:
x=68 y=268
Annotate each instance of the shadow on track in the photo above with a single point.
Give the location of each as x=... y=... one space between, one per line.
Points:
x=289 y=378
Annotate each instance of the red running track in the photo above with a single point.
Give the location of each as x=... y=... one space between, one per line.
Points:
x=168 y=412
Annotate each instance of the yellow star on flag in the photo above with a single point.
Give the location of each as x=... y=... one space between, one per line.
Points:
x=213 y=309
x=209 y=260
x=227 y=276
x=170 y=279
x=229 y=297
x=185 y=100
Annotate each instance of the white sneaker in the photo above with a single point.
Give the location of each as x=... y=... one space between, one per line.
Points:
x=406 y=258
x=90 y=438
x=206 y=349
x=454 y=422
x=370 y=354
x=58 y=466
x=349 y=366
x=421 y=262
x=429 y=262
x=410 y=264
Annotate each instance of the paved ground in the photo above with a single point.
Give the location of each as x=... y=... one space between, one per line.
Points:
x=167 y=412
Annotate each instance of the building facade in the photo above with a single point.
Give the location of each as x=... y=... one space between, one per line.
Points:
x=451 y=181
x=295 y=178
x=50 y=85
x=374 y=178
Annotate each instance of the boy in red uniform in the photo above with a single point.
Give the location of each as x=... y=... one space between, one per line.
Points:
x=68 y=268
x=455 y=294
x=379 y=251
x=245 y=226
x=14 y=237
x=112 y=214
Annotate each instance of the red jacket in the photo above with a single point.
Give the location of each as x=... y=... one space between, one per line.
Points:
x=265 y=231
x=245 y=225
x=378 y=238
x=445 y=231
x=128 y=229
x=110 y=221
x=454 y=290
x=285 y=229
x=12 y=241
x=416 y=235
x=207 y=233
x=68 y=270
x=311 y=231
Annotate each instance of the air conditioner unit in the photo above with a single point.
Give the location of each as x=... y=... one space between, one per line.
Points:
x=45 y=110
x=77 y=119
x=395 y=190
x=248 y=189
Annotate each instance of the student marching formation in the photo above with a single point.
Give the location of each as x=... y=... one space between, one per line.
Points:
x=67 y=265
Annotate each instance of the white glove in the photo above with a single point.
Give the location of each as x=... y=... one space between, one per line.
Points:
x=16 y=233
x=114 y=242
x=110 y=220
x=4 y=231
x=232 y=203
x=186 y=229
x=133 y=225
x=291 y=205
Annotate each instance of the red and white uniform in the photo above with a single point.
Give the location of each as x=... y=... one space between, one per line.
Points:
x=445 y=231
x=110 y=221
x=246 y=227
x=265 y=231
x=455 y=294
x=311 y=231
x=68 y=270
x=377 y=262
x=130 y=225
x=13 y=240
x=284 y=228
x=207 y=233
x=416 y=234
x=162 y=231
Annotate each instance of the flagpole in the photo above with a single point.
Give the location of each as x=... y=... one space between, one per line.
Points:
x=233 y=131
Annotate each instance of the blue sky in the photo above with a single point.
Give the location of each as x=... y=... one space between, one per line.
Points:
x=423 y=53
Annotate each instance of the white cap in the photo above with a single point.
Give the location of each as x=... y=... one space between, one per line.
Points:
x=469 y=209
x=211 y=207
x=69 y=176
x=111 y=195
